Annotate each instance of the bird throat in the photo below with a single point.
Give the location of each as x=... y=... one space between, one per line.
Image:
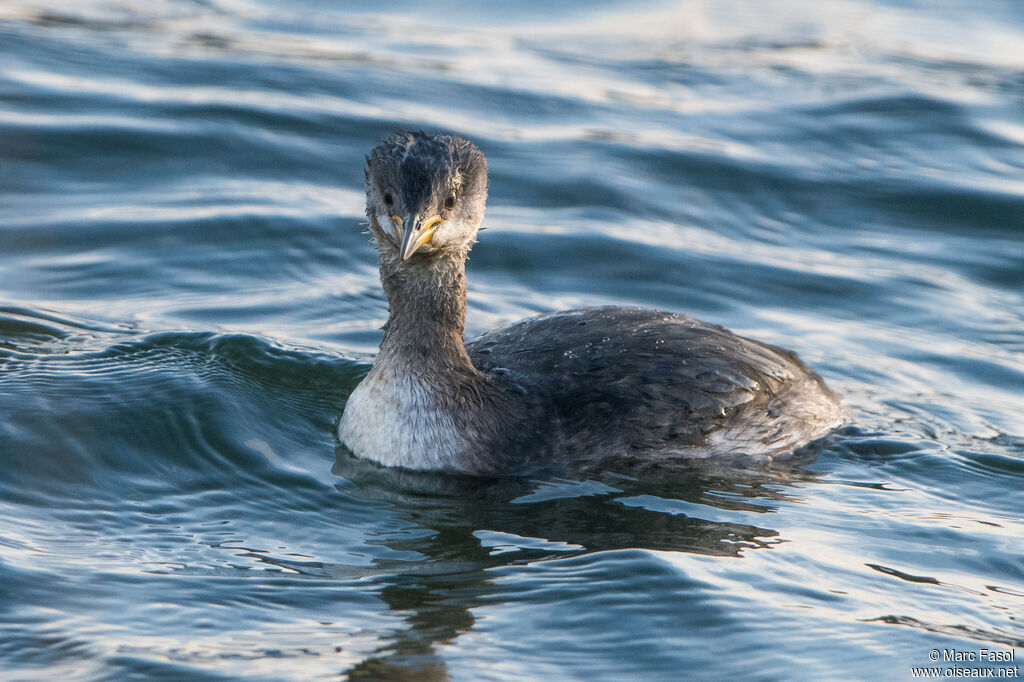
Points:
x=427 y=312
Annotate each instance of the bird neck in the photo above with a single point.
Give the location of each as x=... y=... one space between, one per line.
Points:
x=427 y=305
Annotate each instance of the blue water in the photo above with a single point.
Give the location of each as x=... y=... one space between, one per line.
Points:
x=187 y=299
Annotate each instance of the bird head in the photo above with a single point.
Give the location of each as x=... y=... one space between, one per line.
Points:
x=425 y=195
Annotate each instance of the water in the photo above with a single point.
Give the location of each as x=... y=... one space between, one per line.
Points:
x=186 y=300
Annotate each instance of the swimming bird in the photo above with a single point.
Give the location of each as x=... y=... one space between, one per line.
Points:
x=578 y=386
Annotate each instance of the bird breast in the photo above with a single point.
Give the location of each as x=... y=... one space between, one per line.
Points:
x=392 y=417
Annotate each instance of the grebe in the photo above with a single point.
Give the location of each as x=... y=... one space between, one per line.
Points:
x=582 y=385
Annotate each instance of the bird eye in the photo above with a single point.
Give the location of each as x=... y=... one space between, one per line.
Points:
x=449 y=202
x=388 y=199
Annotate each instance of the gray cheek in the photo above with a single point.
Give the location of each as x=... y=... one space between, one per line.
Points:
x=383 y=223
x=448 y=231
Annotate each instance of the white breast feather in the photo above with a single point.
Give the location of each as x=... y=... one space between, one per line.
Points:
x=392 y=418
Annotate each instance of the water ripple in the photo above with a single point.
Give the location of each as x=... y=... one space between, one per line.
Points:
x=187 y=297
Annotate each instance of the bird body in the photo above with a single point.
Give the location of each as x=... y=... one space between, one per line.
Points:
x=583 y=385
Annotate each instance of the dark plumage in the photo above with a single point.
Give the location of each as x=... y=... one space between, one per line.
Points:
x=582 y=385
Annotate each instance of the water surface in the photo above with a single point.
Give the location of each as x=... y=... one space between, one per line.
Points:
x=187 y=299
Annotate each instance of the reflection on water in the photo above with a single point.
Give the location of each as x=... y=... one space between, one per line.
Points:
x=187 y=298
x=455 y=551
